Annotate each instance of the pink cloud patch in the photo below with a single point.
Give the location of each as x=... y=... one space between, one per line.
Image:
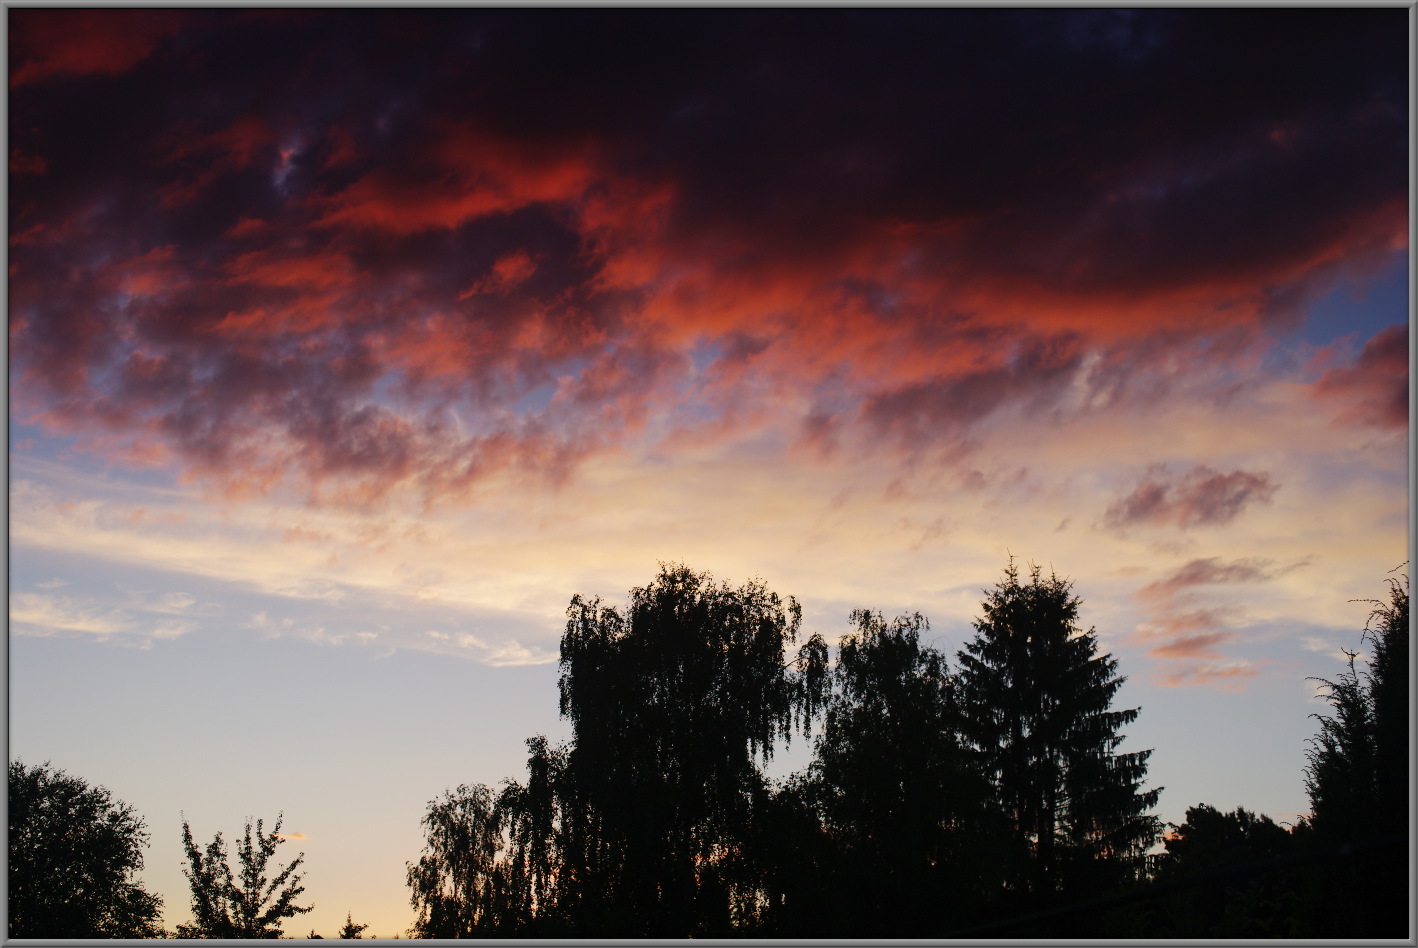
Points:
x=1373 y=391
x=1227 y=677
x=1201 y=497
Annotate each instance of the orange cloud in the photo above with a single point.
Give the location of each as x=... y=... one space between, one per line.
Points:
x=1229 y=677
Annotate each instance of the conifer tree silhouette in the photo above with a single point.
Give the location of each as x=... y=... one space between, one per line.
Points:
x=1036 y=699
x=1357 y=778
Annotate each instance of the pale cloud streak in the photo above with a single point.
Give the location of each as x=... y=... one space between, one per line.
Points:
x=39 y=614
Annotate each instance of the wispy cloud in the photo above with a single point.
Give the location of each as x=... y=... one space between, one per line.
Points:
x=1227 y=676
x=1200 y=497
x=1208 y=571
x=1190 y=634
x=45 y=615
x=35 y=614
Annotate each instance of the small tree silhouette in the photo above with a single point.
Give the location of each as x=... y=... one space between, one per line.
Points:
x=350 y=929
x=253 y=908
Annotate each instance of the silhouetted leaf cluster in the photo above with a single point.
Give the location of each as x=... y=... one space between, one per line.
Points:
x=249 y=906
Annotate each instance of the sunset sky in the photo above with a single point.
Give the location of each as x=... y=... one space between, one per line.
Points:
x=346 y=346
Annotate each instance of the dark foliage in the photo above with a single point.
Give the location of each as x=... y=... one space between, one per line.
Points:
x=1258 y=901
x=673 y=705
x=648 y=822
x=901 y=801
x=1036 y=701
x=992 y=801
x=1357 y=778
x=251 y=905
x=74 y=851
x=459 y=888
x=350 y=929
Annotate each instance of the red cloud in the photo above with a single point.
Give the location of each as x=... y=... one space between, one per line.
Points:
x=295 y=270
x=381 y=257
x=509 y=270
x=22 y=163
x=204 y=159
x=1375 y=389
x=57 y=42
x=463 y=177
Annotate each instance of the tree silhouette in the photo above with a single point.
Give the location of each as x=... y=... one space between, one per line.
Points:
x=459 y=886
x=896 y=790
x=1358 y=782
x=548 y=846
x=1036 y=699
x=1232 y=901
x=73 y=853
x=649 y=811
x=350 y=929
x=222 y=906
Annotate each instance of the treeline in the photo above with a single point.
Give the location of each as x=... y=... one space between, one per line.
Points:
x=984 y=797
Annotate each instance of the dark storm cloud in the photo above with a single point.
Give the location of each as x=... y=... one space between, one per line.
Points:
x=245 y=234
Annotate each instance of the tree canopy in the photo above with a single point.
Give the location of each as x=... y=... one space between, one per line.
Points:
x=74 y=852
x=938 y=802
x=895 y=789
x=458 y=886
x=673 y=703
